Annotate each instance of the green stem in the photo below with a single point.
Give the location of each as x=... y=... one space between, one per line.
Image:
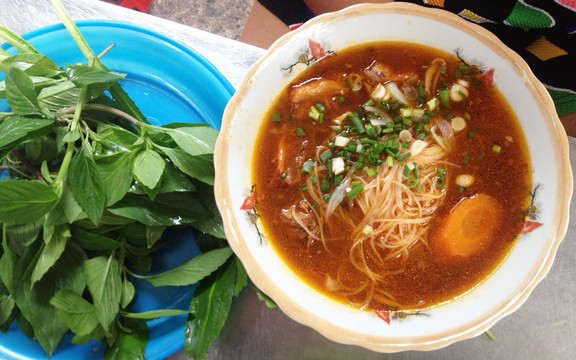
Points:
x=16 y=41
x=77 y=35
x=70 y=148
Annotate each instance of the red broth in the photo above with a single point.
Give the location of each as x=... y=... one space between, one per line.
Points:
x=491 y=148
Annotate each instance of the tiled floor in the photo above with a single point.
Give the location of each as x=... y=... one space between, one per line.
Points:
x=222 y=17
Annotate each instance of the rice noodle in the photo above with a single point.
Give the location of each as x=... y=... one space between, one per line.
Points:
x=397 y=215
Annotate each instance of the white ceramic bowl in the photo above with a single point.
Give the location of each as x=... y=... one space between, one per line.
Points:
x=465 y=317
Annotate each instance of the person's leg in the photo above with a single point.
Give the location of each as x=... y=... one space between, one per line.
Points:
x=262 y=27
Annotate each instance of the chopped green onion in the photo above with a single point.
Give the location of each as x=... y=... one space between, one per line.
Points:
x=327 y=197
x=277 y=117
x=444 y=97
x=370 y=131
x=320 y=107
x=283 y=176
x=411 y=183
x=357 y=123
x=338 y=179
x=370 y=171
x=464 y=96
x=390 y=161
x=355 y=191
x=314 y=113
x=341 y=99
x=415 y=172
x=404 y=157
x=336 y=128
x=470 y=134
x=321 y=118
x=305 y=187
x=326 y=155
x=314 y=179
x=300 y=131
x=406 y=171
x=308 y=166
x=356 y=183
x=406 y=144
x=325 y=185
x=466 y=159
x=443 y=70
x=481 y=155
x=496 y=148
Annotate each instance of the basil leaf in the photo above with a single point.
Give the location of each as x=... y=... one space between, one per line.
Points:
x=6 y=307
x=128 y=292
x=116 y=175
x=24 y=234
x=33 y=301
x=166 y=210
x=83 y=75
x=193 y=270
x=115 y=138
x=105 y=285
x=21 y=93
x=91 y=241
x=209 y=309
x=23 y=201
x=154 y=314
x=200 y=167
x=33 y=64
x=17 y=128
x=55 y=239
x=86 y=185
x=211 y=221
x=38 y=81
x=194 y=140
x=241 y=277
x=148 y=168
x=130 y=345
x=55 y=90
x=8 y=263
x=77 y=313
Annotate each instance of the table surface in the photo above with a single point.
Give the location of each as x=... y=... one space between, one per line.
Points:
x=543 y=328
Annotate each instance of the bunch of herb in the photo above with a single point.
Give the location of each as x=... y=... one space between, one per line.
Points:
x=91 y=189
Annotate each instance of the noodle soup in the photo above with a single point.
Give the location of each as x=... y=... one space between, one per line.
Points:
x=392 y=176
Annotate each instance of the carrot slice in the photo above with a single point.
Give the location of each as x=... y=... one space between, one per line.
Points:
x=470 y=226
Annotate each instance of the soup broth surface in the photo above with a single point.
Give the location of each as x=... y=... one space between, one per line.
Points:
x=461 y=231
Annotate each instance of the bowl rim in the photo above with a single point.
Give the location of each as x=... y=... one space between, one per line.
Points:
x=375 y=342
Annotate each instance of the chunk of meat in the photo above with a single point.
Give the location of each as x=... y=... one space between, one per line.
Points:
x=316 y=90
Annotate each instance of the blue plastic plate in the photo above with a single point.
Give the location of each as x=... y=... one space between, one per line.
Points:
x=170 y=83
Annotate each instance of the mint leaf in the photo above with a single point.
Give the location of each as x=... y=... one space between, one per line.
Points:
x=23 y=201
